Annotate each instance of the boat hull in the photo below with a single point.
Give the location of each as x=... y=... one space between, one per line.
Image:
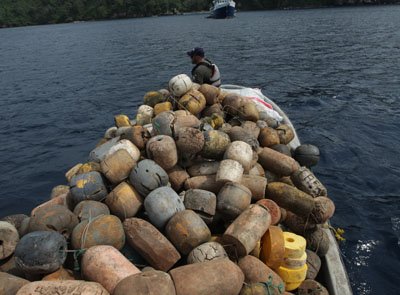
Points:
x=227 y=11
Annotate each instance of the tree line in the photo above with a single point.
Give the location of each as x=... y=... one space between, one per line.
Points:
x=32 y=12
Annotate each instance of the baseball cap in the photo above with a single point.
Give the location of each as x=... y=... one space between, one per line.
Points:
x=196 y=51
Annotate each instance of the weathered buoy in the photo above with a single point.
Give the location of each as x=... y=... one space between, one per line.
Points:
x=256 y=185
x=233 y=199
x=311 y=287
x=307 y=155
x=9 y=239
x=55 y=218
x=122 y=121
x=107 y=266
x=232 y=103
x=268 y=137
x=229 y=170
x=152 y=282
x=162 y=150
x=273 y=208
x=186 y=230
x=117 y=166
x=306 y=181
x=277 y=162
x=86 y=210
x=163 y=123
x=204 y=168
x=206 y=252
x=210 y=92
x=205 y=182
x=161 y=204
x=252 y=128
x=317 y=241
x=238 y=133
x=144 y=115
x=282 y=148
x=202 y=202
x=192 y=101
x=87 y=186
x=146 y=176
x=273 y=247
x=286 y=133
x=217 y=277
x=215 y=144
x=99 y=153
x=246 y=230
x=162 y=107
x=298 y=224
x=241 y=152
x=180 y=84
x=248 y=111
x=152 y=98
x=9 y=284
x=101 y=230
x=177 y=177
x=189 y=140
x=41 y=252
x=61 y=200
x=313 y=264
x=59 y=190
x=151 y=244
x=138 y=135
x=62 y=288
x=255 y=271
x=124 y=201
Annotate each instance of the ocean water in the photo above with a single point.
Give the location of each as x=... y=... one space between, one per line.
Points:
x=336 y=73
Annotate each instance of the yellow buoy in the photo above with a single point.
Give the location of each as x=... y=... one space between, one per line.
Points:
x=292 y=275
x=295 y=262
x=295 y=245
x=122 y=121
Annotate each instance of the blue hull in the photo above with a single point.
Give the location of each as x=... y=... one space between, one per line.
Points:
x=224 y=12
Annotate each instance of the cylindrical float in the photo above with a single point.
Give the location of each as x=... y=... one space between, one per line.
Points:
x=217 y=277
x=306 y=181
x=63 y=288
x=162 y=107
x=277 y=162
x=138 y=135
x=163 y=123
x=206 y=252
x=152 y=98
x=41 y=252
x=210 y=93
x=229 y=170
x=122 y=121
x=248 y=111
x=238 y=133
x=243 y=234
x=61 y=200
x=241 y=152
x=317 y=241
x=162 y=150
x=256 y=184
x=273 y=208
x=313 y=264
x=146 y=176
x=9 y=239
x=151 y=244
x=215 y=144
x=177 y=177
x=273 y=247
x=311 y=287
x=124 y=201
x=87 y=186
x=107 y=266
x=285 y=133
x=189 y=140
x=117 y=166
x=152 y=282
x=186 y=230
x=233 y=199
x=204 y=168
x=206 y=182
x=90 y=209
x=101 y=230
x=268 y=137
x=55 y=218
x=9 y=284
x=161 y=204
x=192 y=101
x=252 y=128
x=202 y=202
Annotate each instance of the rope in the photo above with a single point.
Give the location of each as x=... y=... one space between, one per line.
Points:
x=271 y=287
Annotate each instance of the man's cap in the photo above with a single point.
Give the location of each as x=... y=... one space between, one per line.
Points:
x=196 y=51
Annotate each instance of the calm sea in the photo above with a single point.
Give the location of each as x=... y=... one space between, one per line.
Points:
x=336 y=72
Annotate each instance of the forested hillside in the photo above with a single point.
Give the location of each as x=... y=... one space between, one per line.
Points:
x=29 y=12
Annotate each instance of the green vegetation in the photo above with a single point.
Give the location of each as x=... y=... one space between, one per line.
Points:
x=30 y=12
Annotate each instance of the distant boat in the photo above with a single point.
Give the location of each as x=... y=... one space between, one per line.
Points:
x=223 y=9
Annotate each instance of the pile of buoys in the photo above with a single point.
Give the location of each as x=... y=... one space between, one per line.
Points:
x=198 y=194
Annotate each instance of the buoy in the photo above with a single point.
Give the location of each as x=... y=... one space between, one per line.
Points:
x=313 y=264
x=229 y=170
x=41 y=252
x=186 y=230
x=152 y=245
x=162 y=107
x=206 y=252
x=180 y=84
x=152 y=282
x=306 y=181
x=189 y=140
x=277 y=162
x=146 y=176
x=177 y=177
x=233 y=199
x=9 y=239
x=246 y=230
x=295 y=245
x=202 y=202
x=215 y=144
x=63 y=288
x=138 y=135
x=238 y=133
x=241 y=152
x=256 y=184
x=101 y=230
x=204 y=168
x=163 y=123
x=87 y=186
x=307 y=155
x=124 y=201
x=217 y=277
x=273 y=247
x=273 y=208
x=122 y=121
x=286 y=133
x=61 y=274
x=161 y=204
x=152 y=98
x=192 y=101
x=117 y=166
x=107 y=266
x=10 y=284
x=86 y=210
x=268 y=137
x=204 y=182
x=210 y=92
x=311 y=287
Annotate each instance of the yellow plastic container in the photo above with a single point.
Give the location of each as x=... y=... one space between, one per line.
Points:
x=295 y=245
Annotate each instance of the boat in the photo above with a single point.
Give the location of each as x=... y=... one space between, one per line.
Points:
x=222 y=9
x=333 y=274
